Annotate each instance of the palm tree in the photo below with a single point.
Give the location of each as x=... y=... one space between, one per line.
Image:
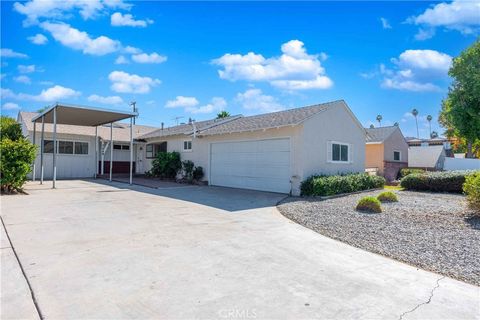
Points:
x=223 y=114
x=379 y=119
x=429 y=119
x=415 y=114
x=434 y=135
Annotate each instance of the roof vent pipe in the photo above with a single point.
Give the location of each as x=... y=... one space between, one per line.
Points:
x=162 y=125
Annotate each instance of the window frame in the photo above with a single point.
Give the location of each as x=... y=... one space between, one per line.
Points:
x=188 y=142
x=340 y=144
x=155 y=149
x=74 y=142
x=121 y=147
x=399 y=155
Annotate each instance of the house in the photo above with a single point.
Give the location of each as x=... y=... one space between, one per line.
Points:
x=386 y=151
x=427 y=157
x=76 y=148
x=268 y=152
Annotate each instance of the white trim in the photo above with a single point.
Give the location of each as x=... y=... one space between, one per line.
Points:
x=68 y=154
x=400 y=157
x=330 y=144
x=183 y=145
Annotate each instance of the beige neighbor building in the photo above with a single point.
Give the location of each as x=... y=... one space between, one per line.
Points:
x=386 y=151
x=268 y=152
x=76 y=148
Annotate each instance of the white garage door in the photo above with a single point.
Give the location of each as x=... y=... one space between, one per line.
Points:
x=258 y=165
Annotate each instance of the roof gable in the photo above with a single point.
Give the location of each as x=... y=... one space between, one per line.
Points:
x=379 y=135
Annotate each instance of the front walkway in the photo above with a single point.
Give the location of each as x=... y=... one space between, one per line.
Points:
x=111 y=251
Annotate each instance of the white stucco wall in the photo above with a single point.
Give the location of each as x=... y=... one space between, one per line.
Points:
x=396 y=142
x=335 y=124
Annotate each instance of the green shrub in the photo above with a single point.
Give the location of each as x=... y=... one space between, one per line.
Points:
x=472 y=188
x=166 y=165
x=198 y=173
x=16 y=158
x=369 y=204
x=9 y=128
x=406 y=171
x=330 y=185
x=387 y=196
x=188 y=167
x=447 y=181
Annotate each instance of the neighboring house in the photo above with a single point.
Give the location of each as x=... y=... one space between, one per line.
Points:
x=269 y=152
x=386 y=151
x=76 y=148
x=427 y=157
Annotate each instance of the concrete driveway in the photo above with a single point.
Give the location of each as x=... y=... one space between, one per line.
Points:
x=110 y=251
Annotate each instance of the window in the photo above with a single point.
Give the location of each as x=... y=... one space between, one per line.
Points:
x=187 y=145
x=340 y=152
x=81 y=147
x=48 y=146
x=121 y=147
x=65 y=147
x=396 y=155
x=155 y=148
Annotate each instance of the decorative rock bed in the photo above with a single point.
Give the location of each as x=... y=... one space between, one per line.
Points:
x=433 y=231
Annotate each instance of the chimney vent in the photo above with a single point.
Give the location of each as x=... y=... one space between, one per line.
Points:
x=162 y=125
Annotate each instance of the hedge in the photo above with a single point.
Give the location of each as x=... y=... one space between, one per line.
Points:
x=472 y=189
x=406 y=171
x=322 y=185
x=446 y=181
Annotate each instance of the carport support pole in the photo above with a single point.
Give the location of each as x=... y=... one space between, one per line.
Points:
x=111 y=150
x=131 y=150
x=41 y=150
x=96 y=153
x=34 y=143
x=54 y=147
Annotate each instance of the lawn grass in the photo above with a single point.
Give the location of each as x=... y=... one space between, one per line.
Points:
x=391 y=188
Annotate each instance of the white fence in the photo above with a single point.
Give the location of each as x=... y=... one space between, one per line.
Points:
x=461 y=164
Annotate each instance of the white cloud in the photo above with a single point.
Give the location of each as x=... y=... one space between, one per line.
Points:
x=46 y=83
x=457 y=15
x=295 y=69
x=131 y=83
x=22 y=79
x=38 y=39
x=424 y=34
x=112 y=100
x=53 y=94
x=79 y=40
x=52 y=9
x=121 y=60
x=132 y=50
x=26 y=69
x=255 y=101
x=148 y=58
x=10 y=106
x=9 y=53
x=414 y=70
x=216 y=104
x=182 y=102
x=118 y=20
x=385 y=23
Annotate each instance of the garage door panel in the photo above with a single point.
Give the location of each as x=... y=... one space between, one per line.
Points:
x=259 y=165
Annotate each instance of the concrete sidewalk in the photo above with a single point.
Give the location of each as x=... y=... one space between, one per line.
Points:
x=113 y=251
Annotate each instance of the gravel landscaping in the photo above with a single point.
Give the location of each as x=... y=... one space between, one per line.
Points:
x=433 y=231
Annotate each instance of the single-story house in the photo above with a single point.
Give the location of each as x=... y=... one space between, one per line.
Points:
x=76 y=148
x=427 y=157
x=269 y=152
x=386 y=151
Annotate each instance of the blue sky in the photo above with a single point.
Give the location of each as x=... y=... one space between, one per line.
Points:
x=180 y=59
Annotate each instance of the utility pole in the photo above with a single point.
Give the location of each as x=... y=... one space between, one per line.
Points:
x=134 y=106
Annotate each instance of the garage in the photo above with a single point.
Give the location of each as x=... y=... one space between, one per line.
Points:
x=255 y=164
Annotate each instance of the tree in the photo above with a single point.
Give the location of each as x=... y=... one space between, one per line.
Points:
x=415 y=114
x=379 y=119
x=429 y=119
x=223 y=114
x=372 y=126
x=9 y=128
x=460 y=112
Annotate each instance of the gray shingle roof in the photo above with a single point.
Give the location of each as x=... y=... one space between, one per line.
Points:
x=187 y=128
x=121 y=131
x=424 y=157
x=270 y=120
x=378 y=135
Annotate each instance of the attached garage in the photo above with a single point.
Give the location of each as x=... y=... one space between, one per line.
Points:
x=259 y=165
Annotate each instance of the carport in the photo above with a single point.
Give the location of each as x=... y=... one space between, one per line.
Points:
x=77 y=115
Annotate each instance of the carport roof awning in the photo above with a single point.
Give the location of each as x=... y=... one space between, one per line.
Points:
x=82 y=115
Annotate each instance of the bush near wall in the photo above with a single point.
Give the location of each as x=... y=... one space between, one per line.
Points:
x=446 y=181
x=472 y=189
x=16 y=156
x=406 y=171
x=321 y=185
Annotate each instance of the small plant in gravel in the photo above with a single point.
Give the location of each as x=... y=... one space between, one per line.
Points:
x=369 y=204
x=387 y=196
